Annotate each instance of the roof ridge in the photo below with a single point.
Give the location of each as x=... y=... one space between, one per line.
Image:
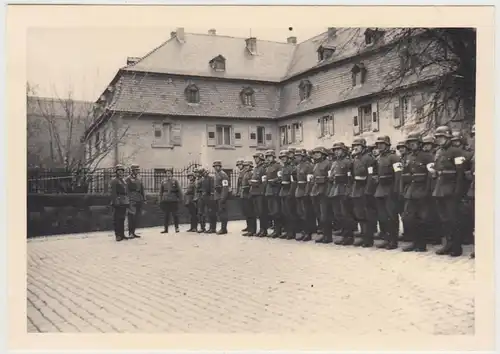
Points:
x=233 y=37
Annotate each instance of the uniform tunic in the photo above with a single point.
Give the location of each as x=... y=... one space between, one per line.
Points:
x=221 y=193
x=273 y=186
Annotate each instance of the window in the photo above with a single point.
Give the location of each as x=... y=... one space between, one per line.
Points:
x=358 y=72
x=404 y=104
x=223 y=135
x=373 y=35
x=261 y=136
x=325 y=52
x=237 y=135
x=326 y=126
x=290 y=134
x=368 y=37
x=297 y=132
x=247 y=97
x=192 y=94
x=408 y=57
x=218 y=63
x=305 y=87
x=162 y=134
x=365 y=117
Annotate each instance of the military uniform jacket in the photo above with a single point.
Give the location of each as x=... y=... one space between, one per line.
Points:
x=419 y=185
x=362 y=182
x=287 y=180
x=273 y=179
x=119 y=192
x=320 y=178
x=198 y=189
x=471 y=175
x=238 y=183
x=135 y=189
x=448 y=166
x=293 y=179
x=189 y=196
x=221 y=186
x=207 y=187
x=339 y=175
x=257 y=182
x=405 y=180
x=303 y=170
x=170 y=190
x=388 y=171
x=245 y=184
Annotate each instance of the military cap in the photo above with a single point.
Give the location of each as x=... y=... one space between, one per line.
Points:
x=190 y=174
x=259 y=155
x=134 y=166
x=283 y=153
x=428 y=140
x=291 y=151
x=248 y=163
x=339 y=145
x=321 y=150
x=384 y=139
x=456 y=135
x=217 y=163
x=400 y=144
x=412 y=137
x=301 y=152
x=443 y=131
x=239 y=161
x=270 y=153
x=119 y=167
x=359 y=141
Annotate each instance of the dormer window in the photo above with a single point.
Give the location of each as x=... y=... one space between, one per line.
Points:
x=358 y=72
x=218 y=63
x=305 y=87
x=372 y=35
x=247 y=96
x=325 y=52
x=192 y=94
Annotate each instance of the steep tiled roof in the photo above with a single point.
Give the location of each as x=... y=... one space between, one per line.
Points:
x=192 y=56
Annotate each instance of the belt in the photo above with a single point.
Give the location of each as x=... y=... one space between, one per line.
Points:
x=447 y=172
x=285 y=182
x=254 y=180
x=302 y=182
x=272 y=180
x=360 y=178
x=340 y=176
x=406 y=174
x=386 y=176
x=419 y=174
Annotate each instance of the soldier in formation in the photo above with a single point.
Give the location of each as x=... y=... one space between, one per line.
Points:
x=137 y=198
x=169 y=198
x=120 y=202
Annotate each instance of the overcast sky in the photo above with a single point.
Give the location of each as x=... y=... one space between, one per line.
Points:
x=84 y=60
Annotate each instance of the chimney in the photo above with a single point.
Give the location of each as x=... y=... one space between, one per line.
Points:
x=332 y=31
x=291 y=40
x=180 y=34
x=173 y=34
x=251 y=45
x=212 y=32
x=132 y=60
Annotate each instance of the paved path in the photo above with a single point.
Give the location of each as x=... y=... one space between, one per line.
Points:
x=228 y=283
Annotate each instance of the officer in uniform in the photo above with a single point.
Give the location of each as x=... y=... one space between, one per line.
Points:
x=170 y=196
x=363 y=165
x=448 y=172
x=305 y=212
x=241 y=172
x=137 y=198
x=293 y=188
x=387 y=176
x=319 y=193
x=257 y=191
x=200 y=201
x=209 y=201
x=221 y=193
x=416 y=194
x=120 y=202
x=286 y=197
x=340 y=174
x=190 y=201
x=273 y=186
x=248 y=209
x=402 y=151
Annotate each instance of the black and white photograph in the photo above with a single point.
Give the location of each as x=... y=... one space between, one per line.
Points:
x=207 y=179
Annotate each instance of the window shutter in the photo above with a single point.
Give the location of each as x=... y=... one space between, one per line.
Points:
x=238 y=137
x=289 y=134
x=396 y=115
x=301 y=132
x=252 y=136
x=318 y=128
x=332 y=124
x=176 y=134
x=211 y=136
x=375 y=117
x=157 y=139
x=356 y=126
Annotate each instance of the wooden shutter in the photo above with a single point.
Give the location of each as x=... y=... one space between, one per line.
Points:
x=396 y=115
x=176 y=134
x=356 y=124
x=211 y=135
x=290 y=139
x=375 y=117
x=318 y=128
x=238 y=137
x=252 y=136
x=331 y=121
x=301 y=132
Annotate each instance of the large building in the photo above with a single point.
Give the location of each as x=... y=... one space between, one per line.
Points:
x=201 y=97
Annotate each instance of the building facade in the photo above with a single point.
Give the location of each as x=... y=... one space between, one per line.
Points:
x=201 y=97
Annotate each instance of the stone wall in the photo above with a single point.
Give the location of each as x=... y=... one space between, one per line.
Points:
x=53 y=214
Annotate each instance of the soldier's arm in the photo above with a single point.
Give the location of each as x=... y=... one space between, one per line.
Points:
x=162 y=190
x=143 y=193
x=225 y=187
x=180 y=194
x=397 y=167
x=112 y=188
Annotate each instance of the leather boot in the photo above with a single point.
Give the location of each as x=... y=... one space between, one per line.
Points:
x=300 y=236
x=456 y=246
x=446 y=249
x=393 y=234
x=368 y=235
x=361 y=240
x=348 y=239
x=202 y=228
x=223 y=228
x=338 y=232
x=385 y=242
x=473 y=255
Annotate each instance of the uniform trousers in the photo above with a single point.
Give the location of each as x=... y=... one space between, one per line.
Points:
x=260 y=209
x=416 y=219
x=134 y=216
x=305 y=213
x=343 y=212
x=193 y=213
x=447 y=211
x=119 y=214
x=170 y=208
x=387 y=212
x=288 y=207
x=323 y=211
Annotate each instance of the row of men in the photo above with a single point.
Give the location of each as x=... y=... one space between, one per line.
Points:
x=428 y=182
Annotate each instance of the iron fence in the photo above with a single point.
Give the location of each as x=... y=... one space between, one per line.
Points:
x=54 y=181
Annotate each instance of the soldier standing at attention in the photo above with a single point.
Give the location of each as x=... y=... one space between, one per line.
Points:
x=170 y=196
x=137 y=199
x=248 y=209
x=293 y=188
x=319 y=193
x=221 y=193
x=402 y=151
x=416 y=194
x=340 y=173
x=257 y=191
x=209 y=201
x=120 y=202
x=470 y=175
x=200 y=201
x=241 y=172
x=304 y=208
x=190 y=202
x=448 y=172
x=286 y=196
x=363 y=165
x=387 y=176
x=273 y=186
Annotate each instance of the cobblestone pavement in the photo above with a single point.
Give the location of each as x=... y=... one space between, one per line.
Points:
x=229 y=283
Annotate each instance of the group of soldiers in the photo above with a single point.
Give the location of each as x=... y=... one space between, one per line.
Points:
x=348 y=192
x=344 y=191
